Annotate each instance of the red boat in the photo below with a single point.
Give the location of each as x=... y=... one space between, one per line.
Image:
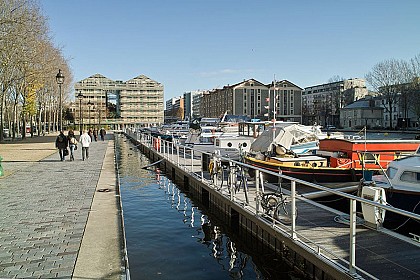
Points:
x=371 y=153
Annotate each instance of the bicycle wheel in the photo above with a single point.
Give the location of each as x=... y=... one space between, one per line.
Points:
x=283 y=211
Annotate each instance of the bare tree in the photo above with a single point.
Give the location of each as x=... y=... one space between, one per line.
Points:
x=386 y=79
x=28 y=65
x=414 y=95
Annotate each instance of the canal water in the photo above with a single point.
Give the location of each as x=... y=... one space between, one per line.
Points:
x=169 y=236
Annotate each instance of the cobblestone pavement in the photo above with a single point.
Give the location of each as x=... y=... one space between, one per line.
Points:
x=44 y=209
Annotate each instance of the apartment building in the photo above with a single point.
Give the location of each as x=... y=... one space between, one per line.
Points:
x=248 y=97
x=192 y=104
x=280 y=99
x=136 y=101
x=286 y=101
x=174 y=110
x=321 y=104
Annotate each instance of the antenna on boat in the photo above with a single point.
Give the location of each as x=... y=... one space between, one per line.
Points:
x=274 y=107
x=364 y=154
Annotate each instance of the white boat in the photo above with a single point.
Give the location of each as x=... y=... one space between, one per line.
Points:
x=285 y=138
x=225 y=139
x=401 y=183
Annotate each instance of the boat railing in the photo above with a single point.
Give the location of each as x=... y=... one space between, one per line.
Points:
x=185 y=158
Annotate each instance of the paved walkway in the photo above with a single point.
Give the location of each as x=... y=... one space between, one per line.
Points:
x=45 y=205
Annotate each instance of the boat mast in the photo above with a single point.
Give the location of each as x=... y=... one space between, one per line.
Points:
x=274 y=107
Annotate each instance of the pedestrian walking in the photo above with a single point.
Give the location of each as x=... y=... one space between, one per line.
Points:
x=72 y=143
x=102 y=132
x=95 y=134
x=85 y=141
x=61 y=143
x=90 y=133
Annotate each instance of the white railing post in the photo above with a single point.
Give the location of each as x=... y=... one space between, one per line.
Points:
x=192 y=160
x=352 y=257
x=257 y=190
x=230 y=180
x=293 y=214
x=177 y=155
x=185 y=160
x=214 y=171
x=201 y=163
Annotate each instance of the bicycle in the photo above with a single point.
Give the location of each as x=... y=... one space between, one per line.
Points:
x=237 y=179
x=277 y=207
x=216 y=172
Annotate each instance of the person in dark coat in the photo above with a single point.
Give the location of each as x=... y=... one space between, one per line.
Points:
x=95 y=134
x=90 y=133
x=102 y=132
x=61 y=143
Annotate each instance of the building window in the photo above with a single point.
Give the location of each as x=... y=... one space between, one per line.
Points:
x=244 y=90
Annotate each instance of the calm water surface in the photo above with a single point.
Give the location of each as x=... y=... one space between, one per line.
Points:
x=169 y=237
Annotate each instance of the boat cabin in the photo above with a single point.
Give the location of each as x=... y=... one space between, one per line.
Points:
x=365 y=153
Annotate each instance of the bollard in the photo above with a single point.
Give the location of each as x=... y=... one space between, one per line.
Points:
x=1 y=167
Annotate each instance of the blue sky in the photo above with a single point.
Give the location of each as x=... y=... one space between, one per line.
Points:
x=195 y=44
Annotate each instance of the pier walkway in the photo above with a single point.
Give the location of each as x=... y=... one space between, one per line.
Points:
x=319 y=234
x=56 y=220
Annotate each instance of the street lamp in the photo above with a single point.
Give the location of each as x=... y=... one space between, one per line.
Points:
x=60 y=80
x=80 y=97
x=89 y=104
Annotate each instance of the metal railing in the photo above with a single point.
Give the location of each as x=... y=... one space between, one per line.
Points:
x=183 y=156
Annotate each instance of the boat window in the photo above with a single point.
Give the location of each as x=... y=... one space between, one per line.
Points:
x=391 y=172
x=410 y=176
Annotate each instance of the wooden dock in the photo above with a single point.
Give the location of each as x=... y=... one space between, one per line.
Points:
x=320 y=235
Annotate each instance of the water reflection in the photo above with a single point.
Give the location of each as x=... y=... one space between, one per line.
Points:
x=223 y=249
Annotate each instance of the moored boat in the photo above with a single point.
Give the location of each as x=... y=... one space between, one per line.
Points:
x=290 y=149
x=344 y=160
x=401 y=183
x=309 y=168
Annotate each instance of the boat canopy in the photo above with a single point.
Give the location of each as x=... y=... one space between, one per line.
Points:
x=283 y=136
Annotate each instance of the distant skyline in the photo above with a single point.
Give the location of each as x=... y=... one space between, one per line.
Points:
x=192 y=45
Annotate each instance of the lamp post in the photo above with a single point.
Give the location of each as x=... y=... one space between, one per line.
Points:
x=99 y=120
x=60 y=80
x=89 y=104
x=80 y=97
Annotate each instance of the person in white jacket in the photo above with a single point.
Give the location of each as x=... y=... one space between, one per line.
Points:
x=85 y=140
